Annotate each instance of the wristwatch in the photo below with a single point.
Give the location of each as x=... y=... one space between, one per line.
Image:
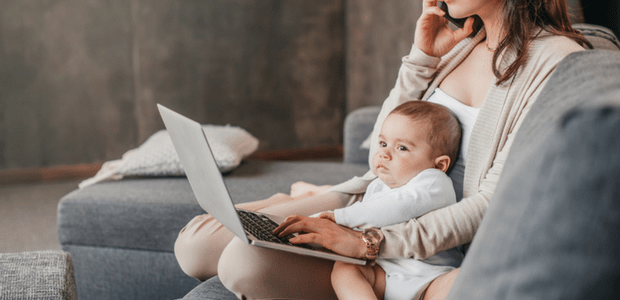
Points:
x=373 y=237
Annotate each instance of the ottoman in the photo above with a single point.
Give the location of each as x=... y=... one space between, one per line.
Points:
x=37 y=275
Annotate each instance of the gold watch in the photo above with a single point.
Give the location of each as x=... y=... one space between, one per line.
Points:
x=373 y=237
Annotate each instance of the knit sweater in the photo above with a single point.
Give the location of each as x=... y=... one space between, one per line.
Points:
x=500 y=117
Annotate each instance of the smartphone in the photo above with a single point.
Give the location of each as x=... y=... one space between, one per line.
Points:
x=458 y=22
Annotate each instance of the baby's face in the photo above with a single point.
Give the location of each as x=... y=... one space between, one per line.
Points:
x=404 y=151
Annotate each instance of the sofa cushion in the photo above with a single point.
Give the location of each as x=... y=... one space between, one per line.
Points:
x=552 y=229
x=147 y=214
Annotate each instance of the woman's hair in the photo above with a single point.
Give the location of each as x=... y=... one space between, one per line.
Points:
x=444 y=133
x=521 y=19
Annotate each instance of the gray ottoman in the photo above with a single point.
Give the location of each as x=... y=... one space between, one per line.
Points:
x=37 y=275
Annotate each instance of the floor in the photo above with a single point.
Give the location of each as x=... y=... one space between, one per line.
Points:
x=28 y=215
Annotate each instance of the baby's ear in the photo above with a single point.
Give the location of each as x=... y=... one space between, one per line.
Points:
x=442 y=163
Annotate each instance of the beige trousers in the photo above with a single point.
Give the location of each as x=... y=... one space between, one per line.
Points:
x=205 y=248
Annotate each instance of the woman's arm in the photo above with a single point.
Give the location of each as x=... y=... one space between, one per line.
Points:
x=457 y=224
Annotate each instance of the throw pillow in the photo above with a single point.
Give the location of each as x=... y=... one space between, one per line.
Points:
x=156 y=157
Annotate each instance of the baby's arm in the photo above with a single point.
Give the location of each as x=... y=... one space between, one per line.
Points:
x=430 y=192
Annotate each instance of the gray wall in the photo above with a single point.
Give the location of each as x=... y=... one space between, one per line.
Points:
x=79 y=80
x=379 y=34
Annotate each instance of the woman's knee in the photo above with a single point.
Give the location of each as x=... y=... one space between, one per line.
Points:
x=255 y=272
x=197 y=247
x=241 y=269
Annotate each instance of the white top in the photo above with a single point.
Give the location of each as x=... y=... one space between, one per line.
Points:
x=467 y=117
x=381 y=205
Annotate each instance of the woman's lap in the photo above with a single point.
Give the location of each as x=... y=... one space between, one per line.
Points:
x=203 y=242
x=260 y=273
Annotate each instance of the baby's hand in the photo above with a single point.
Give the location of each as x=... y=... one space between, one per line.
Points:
x=328 y=215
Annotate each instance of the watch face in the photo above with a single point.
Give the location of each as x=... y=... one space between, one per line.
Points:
x=372 y=236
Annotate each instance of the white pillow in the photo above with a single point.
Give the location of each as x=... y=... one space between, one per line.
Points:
x=157 y=157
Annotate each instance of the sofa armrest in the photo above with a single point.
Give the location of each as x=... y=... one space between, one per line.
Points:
x=357 y=127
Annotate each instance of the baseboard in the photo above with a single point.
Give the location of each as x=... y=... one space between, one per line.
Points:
x=53 y=173
x=83 y=171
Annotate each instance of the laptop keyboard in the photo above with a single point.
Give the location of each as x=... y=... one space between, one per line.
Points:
x=261 y=227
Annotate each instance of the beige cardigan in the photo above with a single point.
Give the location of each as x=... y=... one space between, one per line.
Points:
x=500 y=116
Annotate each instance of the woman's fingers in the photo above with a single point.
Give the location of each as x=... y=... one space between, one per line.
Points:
x=429 y=3
x=467 y=29
x=297 y=224
x=286 y=224
x=435 y=10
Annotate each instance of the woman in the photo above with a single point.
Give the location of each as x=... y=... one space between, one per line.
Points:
x=491 y=77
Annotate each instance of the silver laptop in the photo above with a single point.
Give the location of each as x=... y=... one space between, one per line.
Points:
x=210 y=190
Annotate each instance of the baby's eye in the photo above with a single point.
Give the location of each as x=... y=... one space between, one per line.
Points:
x=402 y=148
x=382 y=144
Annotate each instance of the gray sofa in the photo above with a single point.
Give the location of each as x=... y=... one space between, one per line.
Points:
x=121 y=234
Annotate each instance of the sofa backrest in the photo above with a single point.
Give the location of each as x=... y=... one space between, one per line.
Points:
x=601 y=37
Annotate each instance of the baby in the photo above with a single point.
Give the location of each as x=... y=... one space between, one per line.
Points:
x=418 y=145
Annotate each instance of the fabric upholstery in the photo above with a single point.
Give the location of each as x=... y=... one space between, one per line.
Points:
x=37 y=275
x=553 y=226
x=601 y=38
x=211 y=289
x=357 y=127
x=116 y=273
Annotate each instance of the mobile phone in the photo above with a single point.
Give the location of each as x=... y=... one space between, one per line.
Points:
x=458 y=22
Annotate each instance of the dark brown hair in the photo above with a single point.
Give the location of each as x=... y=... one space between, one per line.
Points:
x=444 y=129
x=521 y=19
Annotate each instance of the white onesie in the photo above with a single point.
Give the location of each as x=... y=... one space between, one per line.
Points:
x=381 y=205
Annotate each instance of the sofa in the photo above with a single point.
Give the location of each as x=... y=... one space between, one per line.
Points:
x=121 y=234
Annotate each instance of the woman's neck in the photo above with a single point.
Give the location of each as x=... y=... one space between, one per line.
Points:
x=493 y=24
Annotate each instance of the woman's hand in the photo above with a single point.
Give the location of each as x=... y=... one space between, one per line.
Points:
x=342 y=240
x=432 y=34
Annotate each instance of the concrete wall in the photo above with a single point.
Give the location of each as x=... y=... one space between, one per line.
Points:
x=79 y=80
x=379 y=34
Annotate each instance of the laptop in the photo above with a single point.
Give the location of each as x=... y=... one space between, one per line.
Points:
x=212 y=195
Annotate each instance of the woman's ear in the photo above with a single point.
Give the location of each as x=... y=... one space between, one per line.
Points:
x=442 y=163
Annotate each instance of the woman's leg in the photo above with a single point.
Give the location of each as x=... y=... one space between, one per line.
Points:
x=255 y=272
x=200 y=244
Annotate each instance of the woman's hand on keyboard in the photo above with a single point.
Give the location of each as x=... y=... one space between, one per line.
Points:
x=342 y=240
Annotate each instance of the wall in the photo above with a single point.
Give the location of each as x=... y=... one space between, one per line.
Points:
x=79 y=80
x=603 y=12
x=379 y=34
